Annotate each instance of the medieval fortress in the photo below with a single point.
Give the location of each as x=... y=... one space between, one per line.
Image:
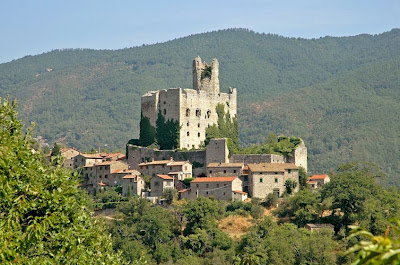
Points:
x=212 y=170
x=194 y=109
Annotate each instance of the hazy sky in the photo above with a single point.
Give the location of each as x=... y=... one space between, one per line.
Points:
x=29 y=27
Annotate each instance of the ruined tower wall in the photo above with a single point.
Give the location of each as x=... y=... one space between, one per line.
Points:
x=197 y=112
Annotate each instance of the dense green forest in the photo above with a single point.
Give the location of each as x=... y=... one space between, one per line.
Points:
x=339 y=94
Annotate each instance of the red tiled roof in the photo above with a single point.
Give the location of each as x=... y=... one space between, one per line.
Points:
x=102 y=184
x=166 y=177
x=182 y=191
x=129 y=177
x=312 y=182
x=214 y=179
x=91 y=155
x=117 y=171
x=319 y=177
x=240 y=192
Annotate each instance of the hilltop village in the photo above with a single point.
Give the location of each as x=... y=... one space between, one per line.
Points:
x=186 y=158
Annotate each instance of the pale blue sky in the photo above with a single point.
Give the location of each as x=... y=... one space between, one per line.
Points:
x=29 y=27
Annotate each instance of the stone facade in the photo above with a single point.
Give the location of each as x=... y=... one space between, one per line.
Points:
x=224 y=169
x=181 y=169
x=159 y=183
x=270 y=178
x=219 y=187
x=194 y=109
x=256 y=158
x=83 y=160
x=69 y=155
x=217 y=151
x=132 y=185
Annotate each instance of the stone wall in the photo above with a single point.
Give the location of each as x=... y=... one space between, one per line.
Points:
x=217 y=151
x=256 y=158
x=194 y=109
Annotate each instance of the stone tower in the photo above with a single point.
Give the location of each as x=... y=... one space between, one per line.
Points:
x=205 y=77
x=194 y=109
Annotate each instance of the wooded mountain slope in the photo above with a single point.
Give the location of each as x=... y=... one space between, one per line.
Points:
x=340 y=94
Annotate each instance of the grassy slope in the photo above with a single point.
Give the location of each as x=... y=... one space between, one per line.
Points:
x=316 y=89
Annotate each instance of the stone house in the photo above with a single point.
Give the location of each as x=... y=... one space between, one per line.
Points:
x=118 y=174
x=104 y=173
x=83 y=160
x=69 y=155
x=317 y=181
x=222 y=188
x=180 y=169
x=224 y=169
x=238 y=195
x=159 y=183
x=132 y=184
x=269 y=178
x=317 y=227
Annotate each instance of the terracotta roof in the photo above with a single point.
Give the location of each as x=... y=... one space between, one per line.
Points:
x=102 y=184
x=312 y=182
x=91 y=155
x=159 y=162
x=182 y=191
x=129 y=177
x=318 y=177
x=178 y=163
x=126 y=171
x=240 y=192
x=214 y=179
x=166 y=177
x=271 y=167
x=106 y=163
x=122 y=157
x=225 y=165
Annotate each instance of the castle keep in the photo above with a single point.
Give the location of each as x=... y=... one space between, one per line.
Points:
x=194 y=109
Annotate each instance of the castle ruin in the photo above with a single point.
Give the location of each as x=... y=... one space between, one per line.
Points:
x=194 y=109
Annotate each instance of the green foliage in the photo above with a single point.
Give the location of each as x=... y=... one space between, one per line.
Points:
x=147 y=135
x=269 y=243
x=206 y=73
x=187 y=181
x=378 y=249
x=303 y=178
x=170 y=194
x=202 y=213
x=43 y=217
x=290 y=185
x=281 y=145
x=167 y=132
x=270 y=200
x=226 y=127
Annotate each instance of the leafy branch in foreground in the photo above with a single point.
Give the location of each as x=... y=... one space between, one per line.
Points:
x=377 y=249
x=43 y=217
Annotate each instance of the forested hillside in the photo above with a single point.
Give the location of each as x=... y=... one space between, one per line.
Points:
x=341 y=95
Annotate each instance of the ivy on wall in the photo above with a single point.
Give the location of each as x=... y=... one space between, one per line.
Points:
x=167 y=132
x=226 y=127
x=147 y=132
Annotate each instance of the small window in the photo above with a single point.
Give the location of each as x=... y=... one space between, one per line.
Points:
x=210 y=171
x=206 y=192
x=198 y=113
x=245 y=178
x=276 y=173
x=187 y=123
x=234 y=171
x=208 y=113
x=224 y=193
x=165 y=102
x=187 y=113
x=261 y=180
x=198 y=125
x=165 y=111
x=187 y=134
x=105 y=176
x=276 y=180
x=289 y=170
x=217 y=185
x=197 y=185
x=198 y=134
x=170 y=168
x=156 y=183
x=206 y=185
x=101 y=168
x=224 y=171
